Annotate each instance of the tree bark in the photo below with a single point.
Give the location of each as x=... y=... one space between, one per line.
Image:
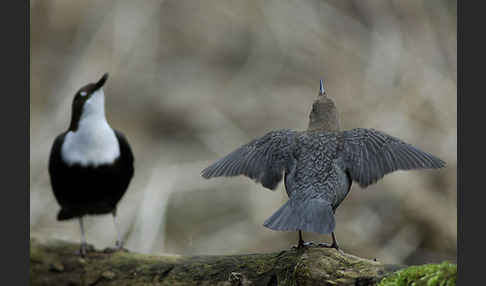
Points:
x=56 y=262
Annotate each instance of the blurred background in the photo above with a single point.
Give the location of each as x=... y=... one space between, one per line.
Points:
x=191 y=81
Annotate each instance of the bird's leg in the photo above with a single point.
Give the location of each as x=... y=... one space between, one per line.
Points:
x=334 y=243
x=301 y=243
x=119 y=241
x=84 y=246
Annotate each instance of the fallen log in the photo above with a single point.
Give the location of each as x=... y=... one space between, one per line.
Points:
x=55 y=262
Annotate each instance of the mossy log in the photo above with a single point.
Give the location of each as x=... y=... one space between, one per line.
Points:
x=56 y=263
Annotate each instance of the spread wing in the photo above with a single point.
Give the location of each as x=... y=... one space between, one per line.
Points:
x=370 y=154
x=263 y=159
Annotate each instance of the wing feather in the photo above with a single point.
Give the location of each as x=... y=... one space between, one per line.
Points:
x=370 y=154
x=263 y=159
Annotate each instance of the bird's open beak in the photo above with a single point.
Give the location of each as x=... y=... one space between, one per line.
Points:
x=102 y=81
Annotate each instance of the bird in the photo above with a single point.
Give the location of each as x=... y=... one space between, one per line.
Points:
x=318 y=166
x=90 y=164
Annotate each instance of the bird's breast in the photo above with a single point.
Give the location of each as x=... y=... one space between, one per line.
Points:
x=93 y=143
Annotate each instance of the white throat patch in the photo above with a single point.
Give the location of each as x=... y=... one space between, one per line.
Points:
x=94 y=142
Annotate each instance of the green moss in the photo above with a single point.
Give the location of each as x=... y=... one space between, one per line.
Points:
x=443 y=274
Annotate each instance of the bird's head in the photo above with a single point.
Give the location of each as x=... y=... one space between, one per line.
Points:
x=88 y=101
x=324 y=115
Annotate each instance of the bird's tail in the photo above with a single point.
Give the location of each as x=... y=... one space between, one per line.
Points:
x=313 y=215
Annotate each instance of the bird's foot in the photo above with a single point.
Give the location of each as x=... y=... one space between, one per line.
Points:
x=326 y=245
x=303 y=244
x=109 y=250
x=118 y=247
x=330 y=245
x=84 y=249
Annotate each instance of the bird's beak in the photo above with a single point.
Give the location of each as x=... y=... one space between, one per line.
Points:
x=102 y=81
x=322 y=91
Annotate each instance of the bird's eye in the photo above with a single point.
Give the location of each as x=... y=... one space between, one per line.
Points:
x=83 y=93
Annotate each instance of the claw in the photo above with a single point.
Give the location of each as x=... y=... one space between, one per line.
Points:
x=84 y=249
x=326 y=245
x=81 y=252
x=309 y=243
x=113 y=250
x=118 y=247
x=119 y=244
x=303 y=244
x=331 y=245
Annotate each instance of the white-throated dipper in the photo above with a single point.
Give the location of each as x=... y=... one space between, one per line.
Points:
x=319 y=165
x=90 y=164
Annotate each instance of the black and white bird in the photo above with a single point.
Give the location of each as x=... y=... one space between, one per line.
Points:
x=90 y=164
